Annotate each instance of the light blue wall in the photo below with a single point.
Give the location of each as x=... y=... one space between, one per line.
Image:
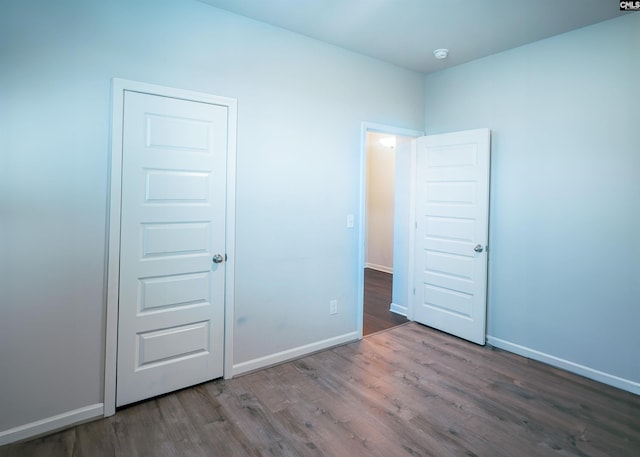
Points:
x=402 y=225
x=565 y=203
x=300 y=104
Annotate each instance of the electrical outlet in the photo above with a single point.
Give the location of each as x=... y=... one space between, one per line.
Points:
x=333 y=307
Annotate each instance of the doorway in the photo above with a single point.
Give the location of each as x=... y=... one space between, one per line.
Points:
x=378 y=266
x=384 y=228
x=440 y=237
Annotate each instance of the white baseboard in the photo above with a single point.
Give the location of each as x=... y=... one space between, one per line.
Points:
x=576 y=368
x=399 y=309
x=382 y=268
x=290 y=354
x=51 y=424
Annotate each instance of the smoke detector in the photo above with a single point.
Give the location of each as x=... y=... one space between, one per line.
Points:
x=441 y=53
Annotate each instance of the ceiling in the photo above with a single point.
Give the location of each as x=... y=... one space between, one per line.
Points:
x=406 y=32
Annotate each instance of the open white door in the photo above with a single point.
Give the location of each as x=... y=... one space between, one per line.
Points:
x=172 y=251
x=452 y=218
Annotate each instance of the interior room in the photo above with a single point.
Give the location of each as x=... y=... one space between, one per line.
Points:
x=294 y=105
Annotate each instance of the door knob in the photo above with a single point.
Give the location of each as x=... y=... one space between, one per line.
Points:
x=478 y=248
x=218 y=258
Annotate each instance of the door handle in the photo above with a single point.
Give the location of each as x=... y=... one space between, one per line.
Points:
x=478 y=248
x=217 y=258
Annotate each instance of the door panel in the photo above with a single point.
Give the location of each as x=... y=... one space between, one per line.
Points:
x=163 y=292
x=452 y=216
x=171 y=297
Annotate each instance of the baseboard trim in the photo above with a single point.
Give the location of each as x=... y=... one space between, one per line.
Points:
x=399 y=309
x=582 y=370
x=377 y=267
x=51 y=424
x=279 y=357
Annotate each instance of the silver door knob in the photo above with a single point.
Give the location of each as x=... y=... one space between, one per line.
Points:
x=478 y=248
x=218 y=258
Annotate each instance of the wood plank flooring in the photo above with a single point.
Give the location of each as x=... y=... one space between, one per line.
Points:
x=409 y=391
x=377 y=298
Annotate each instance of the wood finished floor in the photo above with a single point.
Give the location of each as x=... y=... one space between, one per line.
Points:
x=409 y=391
x=377 y=298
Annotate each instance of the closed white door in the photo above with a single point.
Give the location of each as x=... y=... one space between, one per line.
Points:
x=452 y=217
x=171 y=296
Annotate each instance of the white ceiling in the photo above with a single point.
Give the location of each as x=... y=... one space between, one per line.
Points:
x=405 y=32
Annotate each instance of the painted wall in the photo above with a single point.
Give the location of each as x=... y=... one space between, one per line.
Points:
x=301 y=104
x=564 y=275
x=402 y=226
x=380 y=203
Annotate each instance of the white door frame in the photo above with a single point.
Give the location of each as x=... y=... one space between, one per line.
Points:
x=118 y=87
x=379 y=128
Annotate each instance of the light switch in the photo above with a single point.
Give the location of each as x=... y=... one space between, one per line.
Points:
x=350 y=221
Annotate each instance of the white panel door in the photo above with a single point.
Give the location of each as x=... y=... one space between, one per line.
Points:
x=452 y=218
x=171 y=297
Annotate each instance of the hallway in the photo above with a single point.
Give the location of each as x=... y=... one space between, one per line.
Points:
x=377 y=298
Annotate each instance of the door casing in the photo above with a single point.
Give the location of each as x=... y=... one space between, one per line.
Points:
x=118 y=87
